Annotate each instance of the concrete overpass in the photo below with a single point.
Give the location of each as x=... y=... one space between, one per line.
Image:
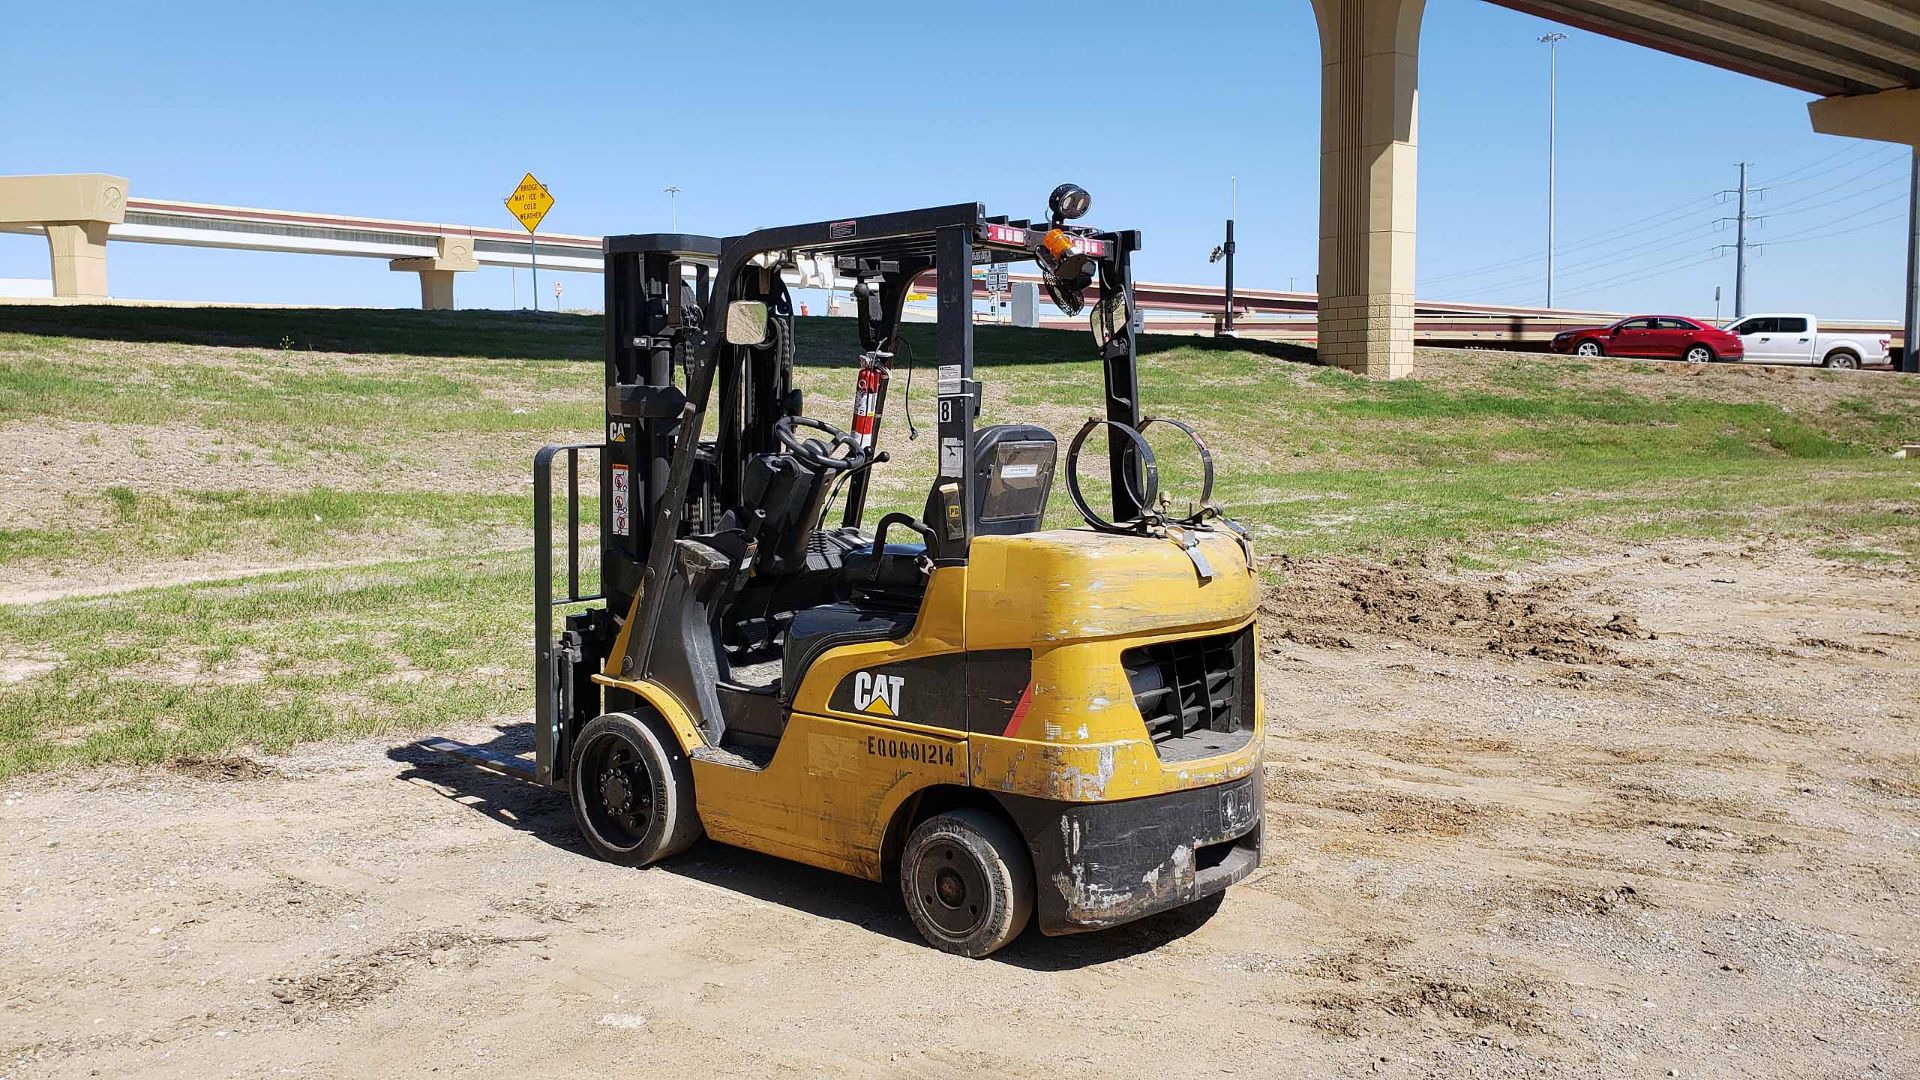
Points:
x=78 y=214
x=1862 y=57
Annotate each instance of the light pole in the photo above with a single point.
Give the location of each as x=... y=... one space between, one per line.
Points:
x=673 y=204
x=1552 y=41
x=1225 y=251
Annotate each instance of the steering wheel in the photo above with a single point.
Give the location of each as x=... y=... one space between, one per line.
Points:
x=815 y=453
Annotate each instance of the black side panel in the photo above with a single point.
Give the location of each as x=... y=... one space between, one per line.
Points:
x=997 y=680
x=958 y=691
x=923 y=691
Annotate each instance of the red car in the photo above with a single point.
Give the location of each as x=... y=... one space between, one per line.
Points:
x=1653 y=337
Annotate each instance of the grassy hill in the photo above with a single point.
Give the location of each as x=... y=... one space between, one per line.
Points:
x=330 y=507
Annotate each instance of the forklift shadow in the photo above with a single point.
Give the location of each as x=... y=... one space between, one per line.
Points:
x=545 y=814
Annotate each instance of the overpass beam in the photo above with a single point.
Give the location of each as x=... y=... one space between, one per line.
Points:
x=74 y=211
x=453 y=254
x=1370 y=53
x=1888 y=116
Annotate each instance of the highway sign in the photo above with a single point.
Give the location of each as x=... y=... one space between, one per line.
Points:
x=529 y=202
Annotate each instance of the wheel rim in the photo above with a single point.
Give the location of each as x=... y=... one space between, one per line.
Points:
x=952 y=889
x=616 y=791
x=1843 y=361
x=1698 y=356
x=1588 y=348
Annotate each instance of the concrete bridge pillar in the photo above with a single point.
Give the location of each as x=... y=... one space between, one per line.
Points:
x=79 y=251
x=75 y=212
x=453 y=254
x=1370 y=54
x=1889 y=116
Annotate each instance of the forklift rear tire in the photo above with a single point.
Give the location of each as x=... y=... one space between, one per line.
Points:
x=632 y=790
x=968 y=882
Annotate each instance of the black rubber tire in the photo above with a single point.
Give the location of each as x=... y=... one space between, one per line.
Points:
x=1843 y=359
x=1598 y=349
x=991 y=863
x=1691 y=349
x=637 y=754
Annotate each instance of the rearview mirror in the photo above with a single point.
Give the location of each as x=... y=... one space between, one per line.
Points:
x=747 y=322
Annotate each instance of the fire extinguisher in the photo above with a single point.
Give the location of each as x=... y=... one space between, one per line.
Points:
x=869 y=393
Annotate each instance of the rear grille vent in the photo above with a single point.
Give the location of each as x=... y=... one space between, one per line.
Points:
x=1196 y=694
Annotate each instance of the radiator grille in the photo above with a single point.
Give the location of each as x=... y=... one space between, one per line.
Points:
x=1195 y=694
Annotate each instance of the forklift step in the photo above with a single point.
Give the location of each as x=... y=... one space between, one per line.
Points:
x=491 y=760
x=753 y=758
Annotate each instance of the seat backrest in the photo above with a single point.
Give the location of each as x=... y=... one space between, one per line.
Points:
x=790 y=494
x=1012 y=477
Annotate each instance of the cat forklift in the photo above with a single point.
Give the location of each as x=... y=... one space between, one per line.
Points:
x=1014 y=723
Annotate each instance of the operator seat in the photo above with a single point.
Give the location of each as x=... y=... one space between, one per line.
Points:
x=1013 y=476
x=1012 y=481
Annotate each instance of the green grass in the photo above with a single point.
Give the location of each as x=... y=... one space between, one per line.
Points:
x=145 y=676
x=316 y=457
x=121 y=526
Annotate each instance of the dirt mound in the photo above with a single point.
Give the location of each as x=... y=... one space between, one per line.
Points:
x=355 y=981
x=1326 y=603
x=224 y=769
x=1374 y=983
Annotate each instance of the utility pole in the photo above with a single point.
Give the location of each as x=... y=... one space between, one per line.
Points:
x=673 y=204
x=1910 y=348
x=1740 y=255
x=1552 y=41
x=1740 y=245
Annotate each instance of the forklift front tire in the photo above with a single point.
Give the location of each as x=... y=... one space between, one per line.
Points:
x=632 y=790
x=967 y=879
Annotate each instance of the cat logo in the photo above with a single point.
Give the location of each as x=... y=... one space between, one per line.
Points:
x=877 y=694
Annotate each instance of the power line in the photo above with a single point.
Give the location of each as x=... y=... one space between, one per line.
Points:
x=1665 y=215
x=1858 y=150
x=1901 y=181
x=1881 y=166
x=1843 y=232
x=1624 y=255
x=1660 y=270
x=1837 y=221
x=1605 y=244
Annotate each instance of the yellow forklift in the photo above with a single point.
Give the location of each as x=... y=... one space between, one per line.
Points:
x=1010 y=721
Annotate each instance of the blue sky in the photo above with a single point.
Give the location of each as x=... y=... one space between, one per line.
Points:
x=771 y=113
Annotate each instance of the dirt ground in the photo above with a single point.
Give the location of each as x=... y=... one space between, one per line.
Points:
x=1650 y=814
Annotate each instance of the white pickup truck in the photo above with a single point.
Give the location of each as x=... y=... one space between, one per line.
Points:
x=1797 y=339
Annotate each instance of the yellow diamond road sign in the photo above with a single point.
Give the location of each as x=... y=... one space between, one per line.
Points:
x=530 y=202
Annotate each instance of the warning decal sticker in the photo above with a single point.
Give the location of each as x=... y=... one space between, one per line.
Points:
x=620 y=500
